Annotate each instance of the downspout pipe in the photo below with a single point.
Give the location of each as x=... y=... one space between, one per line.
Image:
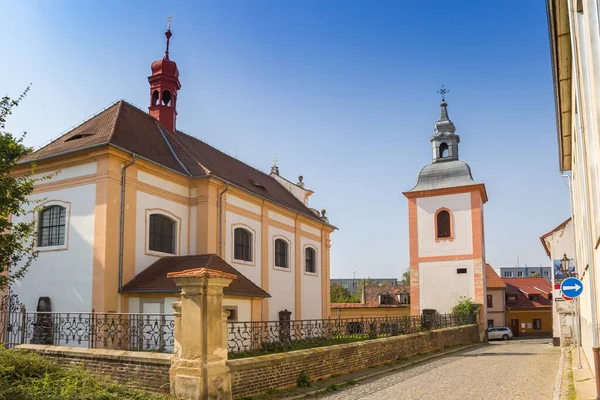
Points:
x=221 y=219
x=590 y=257
x=122 y=219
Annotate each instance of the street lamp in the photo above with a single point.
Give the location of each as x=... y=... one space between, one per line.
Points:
x=564 y=263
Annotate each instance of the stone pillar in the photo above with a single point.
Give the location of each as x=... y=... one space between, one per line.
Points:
x=199 y=369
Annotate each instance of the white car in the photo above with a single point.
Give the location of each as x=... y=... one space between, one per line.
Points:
x=499 y=332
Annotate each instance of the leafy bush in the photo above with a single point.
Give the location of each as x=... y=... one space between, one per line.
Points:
x=303 y=380
x=30 y=376
x=466 y=308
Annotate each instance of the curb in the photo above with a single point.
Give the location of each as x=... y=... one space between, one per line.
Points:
x=393 y=369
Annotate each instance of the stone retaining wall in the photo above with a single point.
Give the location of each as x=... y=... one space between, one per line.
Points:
x=251 y=376
x=256 y=375
x=137 y=369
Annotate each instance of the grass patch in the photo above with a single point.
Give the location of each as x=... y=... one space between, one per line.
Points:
x=333 y=388
x=30 y=376
x=571 y=394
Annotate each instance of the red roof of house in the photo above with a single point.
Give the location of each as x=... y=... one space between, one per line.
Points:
x=492 y=278
x=154 y=278
x=372 y=292
x=522 y=288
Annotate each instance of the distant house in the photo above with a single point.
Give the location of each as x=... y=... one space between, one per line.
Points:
x=525 y=272
x=529 y=306
x=376 y=301
x=352 y=285
x=560 y=243
x=496 y=299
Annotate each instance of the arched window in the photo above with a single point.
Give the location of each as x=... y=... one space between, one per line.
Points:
x=281 y=253
x=155 y=97
x=51 y=228
x=242 y=244
x=443 y=224
x=311 y=260
x=443 y=150
x=166 y=98
x=162 y=234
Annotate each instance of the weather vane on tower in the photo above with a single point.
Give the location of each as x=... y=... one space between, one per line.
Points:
x=443 y=92
x=169 y=18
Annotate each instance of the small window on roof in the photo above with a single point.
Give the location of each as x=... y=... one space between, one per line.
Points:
x=78 y=136
x=257 y=184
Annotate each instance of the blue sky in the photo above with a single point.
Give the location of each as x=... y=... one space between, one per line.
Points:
x=342 y=92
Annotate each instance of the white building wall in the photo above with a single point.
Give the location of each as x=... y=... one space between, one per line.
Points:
x=145 y=202
x=460 y=206
x=311 y=283
x=70 y=172
x=281 y=280
x=252 y=269
x=65 y=275
x=441 y=287
x=244 y=308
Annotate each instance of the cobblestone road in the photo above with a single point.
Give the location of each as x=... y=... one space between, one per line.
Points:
x=516 y=369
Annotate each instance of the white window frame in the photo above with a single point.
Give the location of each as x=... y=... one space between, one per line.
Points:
x=38 y=210
x=316 y=273
x=289 y=253
x=252 y=243
x=176 y=220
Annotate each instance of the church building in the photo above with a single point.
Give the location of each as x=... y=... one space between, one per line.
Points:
x=447 y=243
x=134 y=198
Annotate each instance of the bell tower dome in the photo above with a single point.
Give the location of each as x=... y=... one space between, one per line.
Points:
x=164 y=85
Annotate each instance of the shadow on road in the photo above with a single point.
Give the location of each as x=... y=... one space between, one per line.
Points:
x=492 y=354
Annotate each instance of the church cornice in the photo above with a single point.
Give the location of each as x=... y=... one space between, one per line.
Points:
x=451 y=190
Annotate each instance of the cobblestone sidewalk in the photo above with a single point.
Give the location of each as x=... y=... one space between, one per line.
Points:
x=517 y=369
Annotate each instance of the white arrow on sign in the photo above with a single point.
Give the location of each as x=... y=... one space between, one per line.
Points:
x=575 y=288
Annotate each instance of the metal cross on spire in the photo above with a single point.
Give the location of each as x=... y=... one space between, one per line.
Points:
x=275 y=161
x=169 y=19
x=443 y=92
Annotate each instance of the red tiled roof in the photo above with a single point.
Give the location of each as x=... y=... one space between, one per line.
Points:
x=372 y=292
x=521 y=288
x=347 y=305
x=492 y=278
x=154 y=278
x=126 y=127
x=544 y=236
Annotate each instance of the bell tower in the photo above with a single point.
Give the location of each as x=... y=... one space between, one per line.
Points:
x=164 y=84
x=447 y=241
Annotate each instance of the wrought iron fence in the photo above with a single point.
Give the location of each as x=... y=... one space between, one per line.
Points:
x=256 y=338
x=139 y=332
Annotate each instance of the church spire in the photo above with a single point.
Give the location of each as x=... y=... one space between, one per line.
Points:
x=444 y=142
x=164 y=84
x=168 y=34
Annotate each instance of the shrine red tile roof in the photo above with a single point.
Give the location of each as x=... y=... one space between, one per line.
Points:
x=130 y=129
x=492 y=278
x=522 y=288
x=154 y=278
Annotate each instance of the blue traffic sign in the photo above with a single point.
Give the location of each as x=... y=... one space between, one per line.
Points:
x=571 y=287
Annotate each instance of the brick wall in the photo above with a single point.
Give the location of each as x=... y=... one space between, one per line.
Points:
x=140 y=370
x=256 y=375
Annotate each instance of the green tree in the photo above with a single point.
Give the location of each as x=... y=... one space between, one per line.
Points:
x=465 y=307
x=536 y=275
x=339 y=294
x=17 y=242
x=406 y=278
